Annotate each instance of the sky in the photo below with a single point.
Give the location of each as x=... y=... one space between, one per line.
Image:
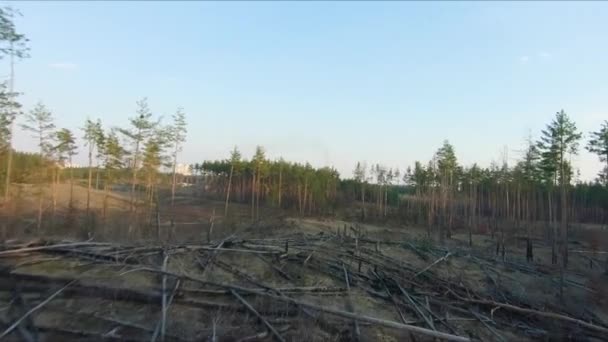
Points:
x=331 y=83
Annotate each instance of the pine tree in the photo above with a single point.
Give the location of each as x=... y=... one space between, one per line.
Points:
x=9 y=109
x=447 y=167
x=152 y=160
x=14 y=45
x=598 y=144
x=361 y=178
x=235 y=159
x=177 y=137
x=558 y=140
x=142 y=127
x=93 y=136
x=40 y=124
x=66 y=149
x=113 y=161
x=258 y=162
x=530 y=175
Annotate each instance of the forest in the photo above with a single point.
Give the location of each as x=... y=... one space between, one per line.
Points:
x=130 y=206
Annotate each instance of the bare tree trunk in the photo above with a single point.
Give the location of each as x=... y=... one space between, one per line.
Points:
x=564 y=224
x=471 y=213
x=300 y=198
x=563 y=231
x=158 y=230
x=55 y=183
x=257 y=194
x=71 y=184
x=39 y=223
x=253 y=195
x=40 y=201
x=385 y=200
x=97 y=176
x=430 y=216
x=9 y=166
x=310 y=204
x=134 y=174
x=553 y=230
x=305 y=193
x=174 y=178
x=227 y=192
x=363 y=199
x=90 y=179
x=528 y=221
x=280 y=184
x=105 y=206
x=9 y=161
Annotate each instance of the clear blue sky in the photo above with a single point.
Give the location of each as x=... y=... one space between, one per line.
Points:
x=326 y=82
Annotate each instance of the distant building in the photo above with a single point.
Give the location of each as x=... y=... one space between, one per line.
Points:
x=183 y=169
x=69 y=165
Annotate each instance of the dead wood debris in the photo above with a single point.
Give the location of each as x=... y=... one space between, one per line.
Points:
x=283 y=297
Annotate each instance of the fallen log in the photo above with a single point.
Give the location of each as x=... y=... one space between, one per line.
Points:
x=344 y=314
x=276 y=334
x=535 y=312
x=34 y=309
x=11 y=252
x=433 y=264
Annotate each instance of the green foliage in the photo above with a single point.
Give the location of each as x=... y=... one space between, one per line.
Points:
x=9 y=110
x=11 y=42
x=360 y=172
x=142 y=127
x=446 y=159
x=66 y=145
x=25 y=168
x=153 y=157
x=178 y=130
x=529 y=169
x=93 y=136
x=557 y=140
x=319 y=184
x=598 y=144
x=235 y=157
x=40 y=124
x=114 y=153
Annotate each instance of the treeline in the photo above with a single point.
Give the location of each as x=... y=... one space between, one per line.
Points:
x=278 y=183
x=133 y=155
x=440 y=194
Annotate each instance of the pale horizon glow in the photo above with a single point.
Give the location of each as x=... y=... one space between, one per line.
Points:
x=330 y=83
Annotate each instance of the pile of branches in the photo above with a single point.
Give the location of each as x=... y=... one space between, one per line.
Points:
x=426 y=303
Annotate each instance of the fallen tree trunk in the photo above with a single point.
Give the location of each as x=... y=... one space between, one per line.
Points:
x=344 y=314
x=536 y=313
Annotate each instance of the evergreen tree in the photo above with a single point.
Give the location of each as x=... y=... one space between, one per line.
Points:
x=9 y=109
x=361 y=178
x=93 y=137
x=113 y=161
x=152 y=160
x=558 y=140
x=598 y=144
x=258 y=167
x=447 y=166
x=177 y=137
x=235 y=159
x=40 y=124
x=14 y=45
x=65 y=150
x=142 y=127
